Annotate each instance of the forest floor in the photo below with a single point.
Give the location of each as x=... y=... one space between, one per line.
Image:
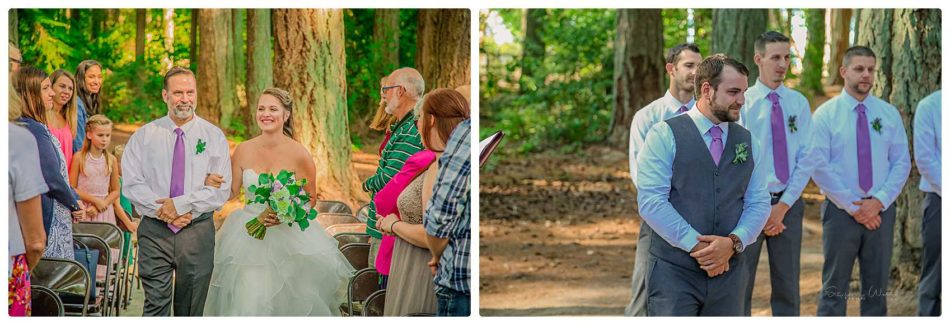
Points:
x=558 y=236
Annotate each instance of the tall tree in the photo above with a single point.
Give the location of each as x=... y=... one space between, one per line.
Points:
x=14 y=27
x=310 y=63
x=814 y=52
x=532 y=56
x=443 y=56
x=260 y=62
x=215 y=83
x=638 y=68
x=907 y=45
x=238 y=68
x=734 y=33
x=386 y=36
x=168 y=59
x=840 y=29
x=140 y=16
x=193 y=47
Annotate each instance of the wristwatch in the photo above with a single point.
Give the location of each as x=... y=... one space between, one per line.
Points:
x=737 y=246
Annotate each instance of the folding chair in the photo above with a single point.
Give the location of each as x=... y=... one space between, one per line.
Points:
x=350 y=238
x=361 y=285
x=45 y=302
x=340 y=228
x=67 y=278
x=100 y=306
x=113 y=236
x=357 y=254
x=374 y=304
x=328 y=206
x=363 y=213
x=327 y=219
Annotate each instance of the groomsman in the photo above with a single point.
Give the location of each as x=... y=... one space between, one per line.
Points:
x=927 y=155
x=780 y=119
x=681 y=63
x=701 y=189
x=862 y=162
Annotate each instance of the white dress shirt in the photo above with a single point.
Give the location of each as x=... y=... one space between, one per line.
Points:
x=756 y=115
x=658 y=111
x=147 y=166
x=835 y=151
x=653 y=189
x=927 y=142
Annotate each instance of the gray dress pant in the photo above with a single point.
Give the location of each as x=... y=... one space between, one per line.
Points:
x=928 y=290
x=188 y=255
x=785 y=251
x=638 y=282
x=677 y=291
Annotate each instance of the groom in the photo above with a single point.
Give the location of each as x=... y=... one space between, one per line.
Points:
x=164 y=167
x=701 y=188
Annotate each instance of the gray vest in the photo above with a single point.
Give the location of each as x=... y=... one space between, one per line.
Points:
x=709 y=197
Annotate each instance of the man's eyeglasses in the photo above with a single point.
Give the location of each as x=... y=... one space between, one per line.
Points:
x=384 y=89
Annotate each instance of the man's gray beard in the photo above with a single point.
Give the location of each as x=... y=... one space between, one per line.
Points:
x=389 y=108
x=181 y=115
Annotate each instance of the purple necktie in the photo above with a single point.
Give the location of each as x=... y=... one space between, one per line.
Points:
x=779 y=144
x=715 y=148
x=682 y=109
x=177 y=187
x=865 y=176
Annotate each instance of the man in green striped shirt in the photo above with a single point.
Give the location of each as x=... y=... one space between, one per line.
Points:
x=403 y=89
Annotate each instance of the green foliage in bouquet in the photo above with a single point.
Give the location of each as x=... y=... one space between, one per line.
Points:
x=284 y=196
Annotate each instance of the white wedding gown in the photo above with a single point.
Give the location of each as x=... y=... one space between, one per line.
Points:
x=288 y=273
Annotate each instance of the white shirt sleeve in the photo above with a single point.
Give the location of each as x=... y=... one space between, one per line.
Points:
x=926 y=147
x=135 y=185
x=803 y=166
x=757 y=201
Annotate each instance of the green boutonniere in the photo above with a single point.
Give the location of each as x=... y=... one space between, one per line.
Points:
x=791 y=123
x=876 y=125
x=742 y=153
x=200 y=147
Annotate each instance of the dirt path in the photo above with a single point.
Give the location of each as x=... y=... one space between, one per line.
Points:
x=558 y=237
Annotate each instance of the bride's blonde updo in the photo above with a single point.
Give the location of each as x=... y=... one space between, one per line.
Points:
x=285 y=100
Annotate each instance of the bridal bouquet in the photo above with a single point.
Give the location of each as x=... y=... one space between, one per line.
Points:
x=284 y=196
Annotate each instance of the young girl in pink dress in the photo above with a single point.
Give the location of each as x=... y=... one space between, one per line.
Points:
x=95 y=173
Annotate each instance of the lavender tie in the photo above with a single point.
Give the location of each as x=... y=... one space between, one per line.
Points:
x=177 y=187
x=779 y=143
x=682 y=110
x=715 y=148
x=865 y=176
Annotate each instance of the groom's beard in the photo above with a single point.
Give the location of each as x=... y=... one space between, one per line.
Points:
x=183 y=111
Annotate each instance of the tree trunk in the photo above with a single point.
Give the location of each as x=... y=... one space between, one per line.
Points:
x=215 y=83
x=14 y=27
x=237 y=65
x=260 y=63
x=814 y=52
x=442 y=47
x=310 y=63
x=840 y=28
x=638 y=68
x=99 y=17
x=193 y=47
x=386 y=36
x=140 y=36
x=907 y=45
x=734 y=32
x=532 y=57
x=169 y=58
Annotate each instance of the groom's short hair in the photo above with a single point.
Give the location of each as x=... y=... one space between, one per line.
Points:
x=710 y=70
x=174 y=71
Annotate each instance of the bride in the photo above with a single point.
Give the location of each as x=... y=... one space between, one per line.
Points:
x=290 y=272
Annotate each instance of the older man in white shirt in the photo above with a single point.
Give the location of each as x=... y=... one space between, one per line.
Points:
x=164 y=168
x=779 y=118
x=681 y=63
x=862 y=162
x=927 y=142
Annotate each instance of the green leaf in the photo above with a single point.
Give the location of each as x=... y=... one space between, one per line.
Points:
x=304 y=224
x=312 y=215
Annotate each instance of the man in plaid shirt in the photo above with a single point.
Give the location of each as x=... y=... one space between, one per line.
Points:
x=448 y=225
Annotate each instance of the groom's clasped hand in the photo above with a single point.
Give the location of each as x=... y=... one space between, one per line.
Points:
x=713 y=254
x=169 y=214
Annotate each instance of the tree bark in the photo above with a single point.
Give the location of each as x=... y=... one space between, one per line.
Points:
x=638 y=68
x=442 y=47
x=260 y=62
x=193 y=47
x=140 y=35
x=310 y=63
x=532 y=57
x=14 y=27
x=734 y=33
x=814 y=52
x=907 y=45
x=169 y=58
x=215 y=83
x=237 y=66
x=386 y=36
x=840 y=28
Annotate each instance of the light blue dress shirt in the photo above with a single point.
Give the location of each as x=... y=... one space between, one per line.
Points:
x=835 y=151
x=927 y=142
x=658 y=111
x=756 y=115
x=653 y=189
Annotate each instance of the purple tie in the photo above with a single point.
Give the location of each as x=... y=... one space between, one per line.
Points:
x=177 y=187
x=682 y=109
x=865 y=176
x=779 y=144
x=715 y=148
